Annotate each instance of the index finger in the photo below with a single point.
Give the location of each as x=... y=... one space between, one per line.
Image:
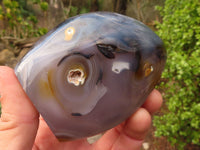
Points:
x=13 y=99
x=153 y=102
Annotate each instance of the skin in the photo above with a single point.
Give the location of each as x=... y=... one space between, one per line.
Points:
x=21 y=128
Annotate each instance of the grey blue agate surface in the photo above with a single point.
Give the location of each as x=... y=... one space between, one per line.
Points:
x=91 y=72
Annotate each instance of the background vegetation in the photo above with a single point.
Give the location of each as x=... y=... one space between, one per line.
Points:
x=176 y=22
x=180 y=31
x=17 y=21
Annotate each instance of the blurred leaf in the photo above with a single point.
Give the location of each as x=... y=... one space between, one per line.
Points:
x=84 y=10
x=44 y=6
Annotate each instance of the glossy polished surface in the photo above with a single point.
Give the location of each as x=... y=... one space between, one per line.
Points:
x=91 y=72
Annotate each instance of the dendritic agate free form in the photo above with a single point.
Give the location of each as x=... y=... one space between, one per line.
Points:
x=91 y=72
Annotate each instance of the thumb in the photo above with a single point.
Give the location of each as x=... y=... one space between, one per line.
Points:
x=19 y=119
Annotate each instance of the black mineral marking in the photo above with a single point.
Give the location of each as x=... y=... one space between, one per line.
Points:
x=75 y=53
x=76 y=114
x=100 y=77
x=107 y=50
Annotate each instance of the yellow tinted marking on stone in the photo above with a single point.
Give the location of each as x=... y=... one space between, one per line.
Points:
x=69 y=33
x=148 y=69
x=50 y=84
x=45 y=89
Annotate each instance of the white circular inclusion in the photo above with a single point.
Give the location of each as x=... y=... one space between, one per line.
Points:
x=76 y=77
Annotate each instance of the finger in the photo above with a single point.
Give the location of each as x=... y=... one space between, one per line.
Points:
x=45 y=139
x=128 y=135
x=134 y=131
x=19 y=119
x=153 y=102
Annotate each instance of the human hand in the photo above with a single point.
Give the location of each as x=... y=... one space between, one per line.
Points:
x=21 y=128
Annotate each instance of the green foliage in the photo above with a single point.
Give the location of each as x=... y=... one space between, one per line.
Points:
x=19 y=22
x=84 y=7
x=180 y=30
x=73 y=11
x=44 y=6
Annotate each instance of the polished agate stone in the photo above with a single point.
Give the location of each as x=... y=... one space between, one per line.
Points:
x=91 y=72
